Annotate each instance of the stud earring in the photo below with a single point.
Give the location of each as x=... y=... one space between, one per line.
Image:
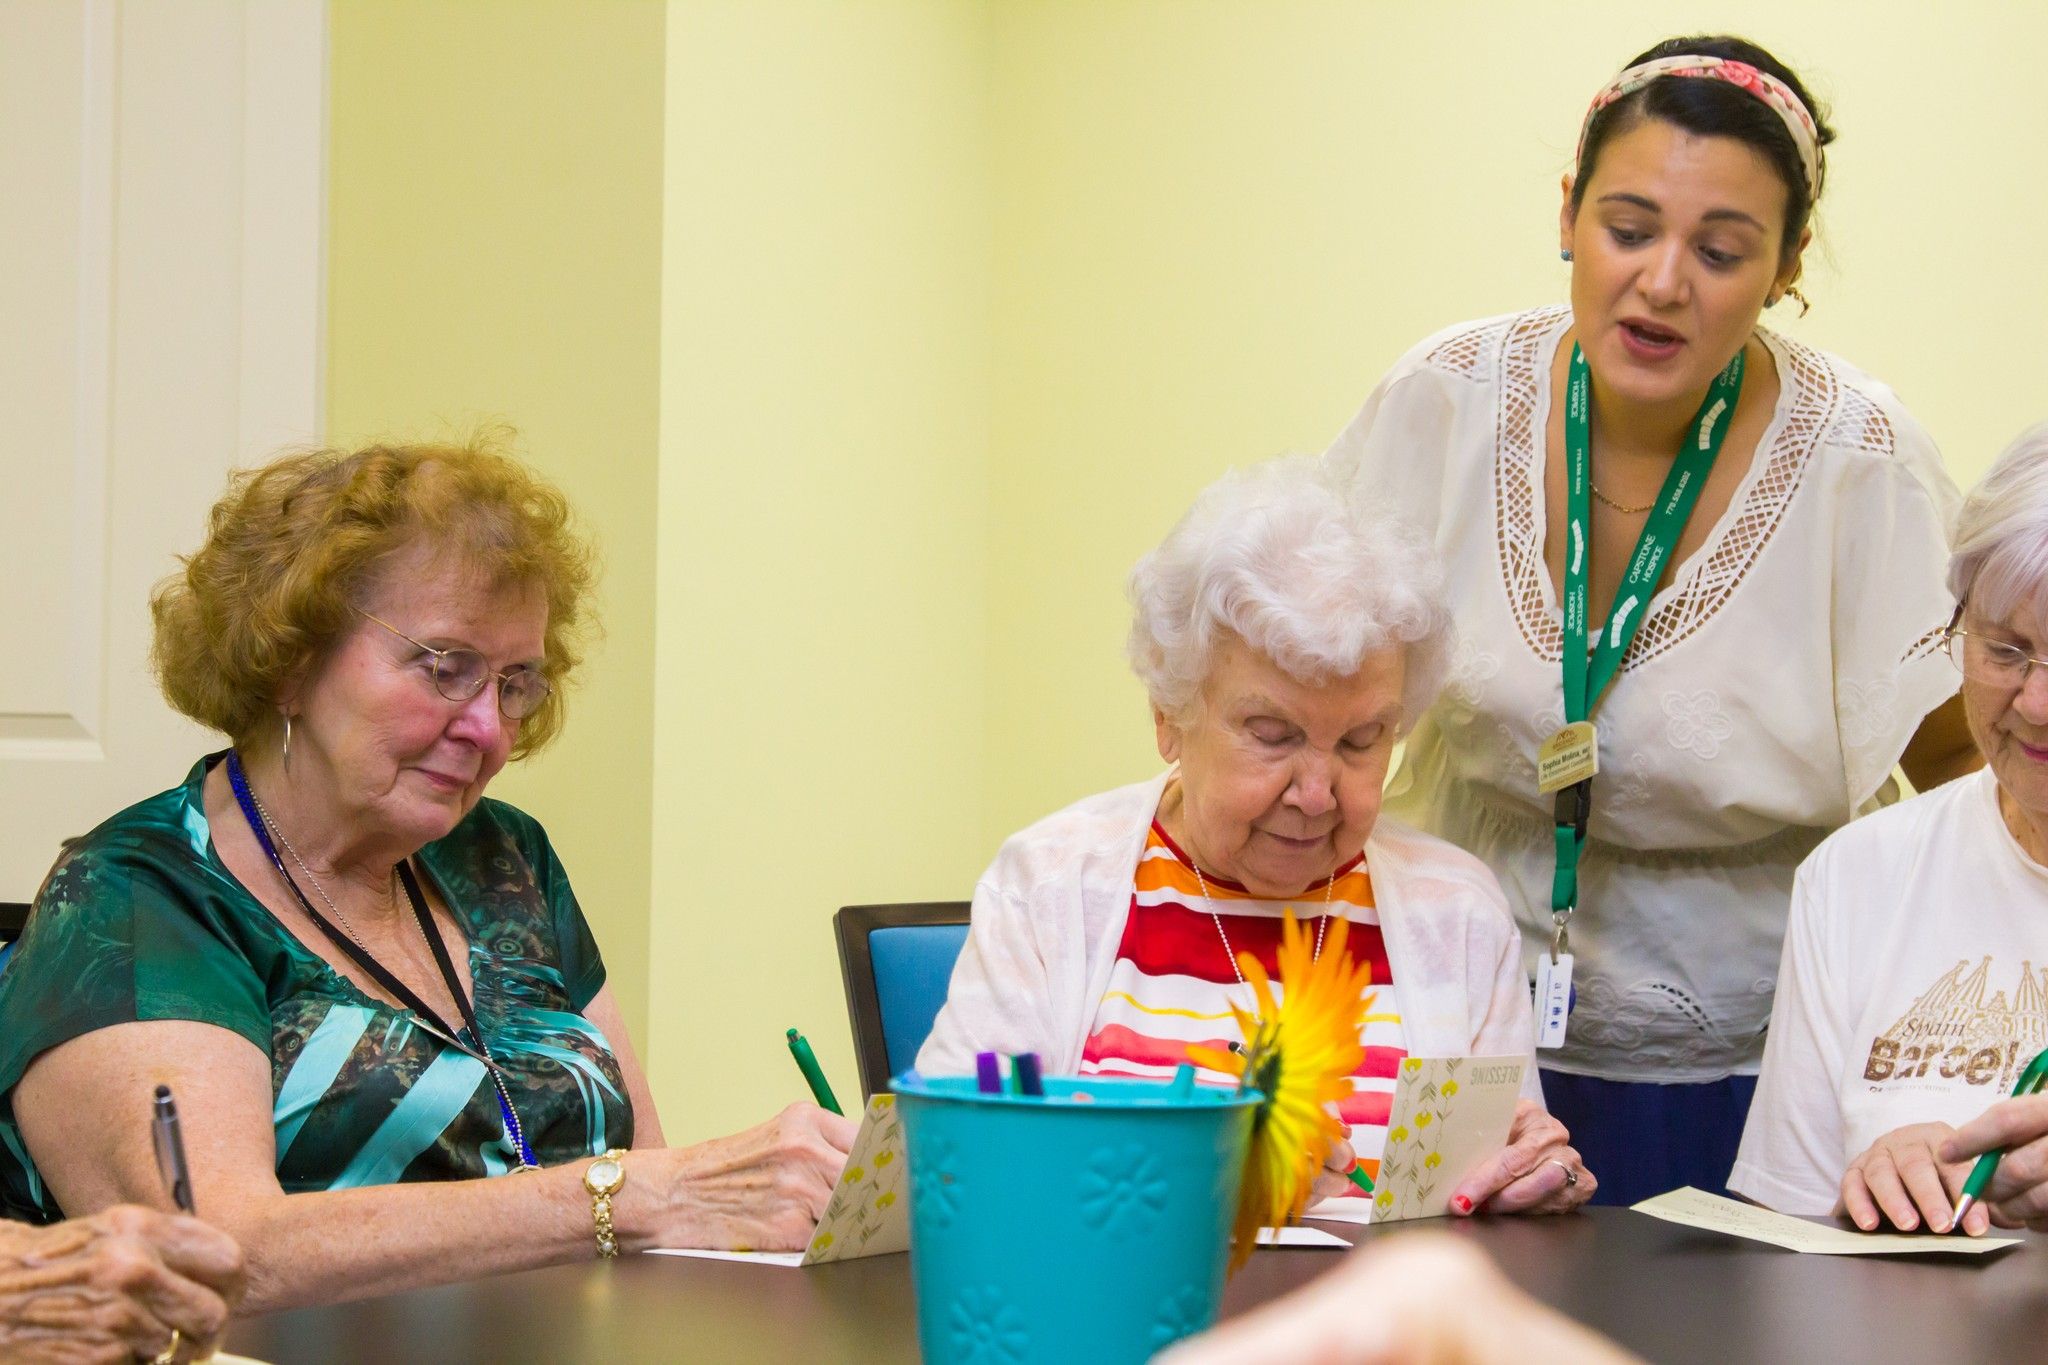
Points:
x=1564 y=255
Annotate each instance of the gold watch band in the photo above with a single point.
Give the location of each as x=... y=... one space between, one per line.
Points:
x=604 y=1178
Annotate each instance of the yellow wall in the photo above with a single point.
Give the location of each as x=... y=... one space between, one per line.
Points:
x=823 y=526
x=495 y=253
x=1218 y=223
x=944 y=308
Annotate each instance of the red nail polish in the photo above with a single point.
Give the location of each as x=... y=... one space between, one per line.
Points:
x=1461 y=1203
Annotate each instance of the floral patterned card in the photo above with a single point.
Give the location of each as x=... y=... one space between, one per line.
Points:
x=1449 y=1114
x=867 y=1214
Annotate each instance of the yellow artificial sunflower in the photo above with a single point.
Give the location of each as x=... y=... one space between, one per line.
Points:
x=1299 y=1053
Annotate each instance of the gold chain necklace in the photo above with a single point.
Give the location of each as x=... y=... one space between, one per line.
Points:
x=1626 y=511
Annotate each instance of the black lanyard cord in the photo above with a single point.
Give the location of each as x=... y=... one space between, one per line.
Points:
x=238 y=781
x=360 y=955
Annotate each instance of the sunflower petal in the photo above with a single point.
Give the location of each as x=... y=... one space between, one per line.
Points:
x=1229 y=1063
x=1301 y=1050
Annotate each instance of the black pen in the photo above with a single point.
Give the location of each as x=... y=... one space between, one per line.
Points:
x=170 y=1150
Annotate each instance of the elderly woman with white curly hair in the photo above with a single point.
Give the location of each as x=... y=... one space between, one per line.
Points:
x=1285 y=640
x=1912 y=996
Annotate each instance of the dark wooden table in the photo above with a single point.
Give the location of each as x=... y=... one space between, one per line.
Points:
x=1670 y=1293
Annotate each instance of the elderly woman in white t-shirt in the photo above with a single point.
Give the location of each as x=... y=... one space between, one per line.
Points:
x=1914 y=988
x=1286 y=639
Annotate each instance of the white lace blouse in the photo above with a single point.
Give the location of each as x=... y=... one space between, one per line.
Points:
x=1767 y=695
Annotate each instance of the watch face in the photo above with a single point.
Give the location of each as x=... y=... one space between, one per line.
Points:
x=604 y=1175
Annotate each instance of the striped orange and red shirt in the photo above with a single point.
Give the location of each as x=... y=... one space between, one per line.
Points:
x=1173 y=981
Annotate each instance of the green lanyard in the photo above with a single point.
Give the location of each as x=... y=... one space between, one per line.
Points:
x=1586 y=676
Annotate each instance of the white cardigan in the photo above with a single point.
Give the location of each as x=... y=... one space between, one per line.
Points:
x=1049 y=913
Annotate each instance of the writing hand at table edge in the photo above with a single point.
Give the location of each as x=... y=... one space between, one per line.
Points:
x=763 y=1188
x=1900 y=1179
x=1335 y=1177
x=2018 y=1193
x=116 y=1285
x=1436 y=1300
x=1537 y=1172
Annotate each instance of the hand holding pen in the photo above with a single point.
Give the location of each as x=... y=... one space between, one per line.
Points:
x=193 y=1327
x=2011 y=1175
x=1912 y=1174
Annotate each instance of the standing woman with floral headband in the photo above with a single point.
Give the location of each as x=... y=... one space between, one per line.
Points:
x=1687 y=551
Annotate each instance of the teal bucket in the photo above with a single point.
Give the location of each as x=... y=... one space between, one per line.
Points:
x=1092 y=1225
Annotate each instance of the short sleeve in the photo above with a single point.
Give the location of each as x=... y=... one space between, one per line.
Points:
x=583 y=972
x=1891 y=523
x=1791 y=1155
x=118 y=936
x=1394 y=454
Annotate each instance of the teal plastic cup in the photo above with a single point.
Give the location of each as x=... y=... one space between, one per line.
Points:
x=1092 y=1225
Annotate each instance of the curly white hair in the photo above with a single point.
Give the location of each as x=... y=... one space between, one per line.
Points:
x=1278 y=555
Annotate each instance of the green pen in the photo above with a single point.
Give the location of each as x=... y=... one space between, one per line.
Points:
x=2031 y=1080
x=807 y=1062
x=1360 y=1178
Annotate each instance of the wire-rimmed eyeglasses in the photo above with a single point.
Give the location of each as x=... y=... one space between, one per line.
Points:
x=459 y=674
x=1983 y=659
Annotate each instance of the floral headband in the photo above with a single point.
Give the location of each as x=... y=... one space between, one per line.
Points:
x=1762 y=85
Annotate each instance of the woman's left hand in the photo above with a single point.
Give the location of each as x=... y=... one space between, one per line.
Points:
x=1537 y=1172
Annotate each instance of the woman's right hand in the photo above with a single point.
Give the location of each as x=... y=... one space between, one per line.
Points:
x=759 y=1190
x=1901 y=1177
x=113 y=1287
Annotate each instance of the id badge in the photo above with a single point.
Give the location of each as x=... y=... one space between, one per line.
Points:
x=1553 y=998
x=1567 y=758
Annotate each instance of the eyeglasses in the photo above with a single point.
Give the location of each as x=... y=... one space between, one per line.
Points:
x=1982 y=659
x=459 y=674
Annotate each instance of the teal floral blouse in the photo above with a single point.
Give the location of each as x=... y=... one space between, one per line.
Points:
x=144 y=922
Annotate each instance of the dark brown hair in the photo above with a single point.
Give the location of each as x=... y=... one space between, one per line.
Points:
x=1712 y=108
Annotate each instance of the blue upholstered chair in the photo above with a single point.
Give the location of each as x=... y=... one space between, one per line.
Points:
x=896 y=961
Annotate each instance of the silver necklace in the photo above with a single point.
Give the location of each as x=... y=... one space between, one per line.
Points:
x=318 y=889
x=1329 y=890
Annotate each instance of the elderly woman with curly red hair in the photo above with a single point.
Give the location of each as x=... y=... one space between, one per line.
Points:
x=368 y=984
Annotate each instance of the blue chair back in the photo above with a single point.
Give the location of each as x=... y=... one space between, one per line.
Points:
x=896 y=961
x=913 y=964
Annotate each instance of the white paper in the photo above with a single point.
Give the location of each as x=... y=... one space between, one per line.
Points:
x=867 y=1215
x=1698 y=1209
x=1301 y=1237
x=1449 y=1114
x=788 y=1258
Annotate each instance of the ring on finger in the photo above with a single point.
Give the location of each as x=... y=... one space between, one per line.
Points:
x=169 y=1354
x=1571 y=1177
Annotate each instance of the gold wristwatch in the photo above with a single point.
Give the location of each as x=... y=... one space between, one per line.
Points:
x=603 y=1178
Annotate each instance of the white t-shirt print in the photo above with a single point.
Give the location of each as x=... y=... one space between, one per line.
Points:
x=1914 y=988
